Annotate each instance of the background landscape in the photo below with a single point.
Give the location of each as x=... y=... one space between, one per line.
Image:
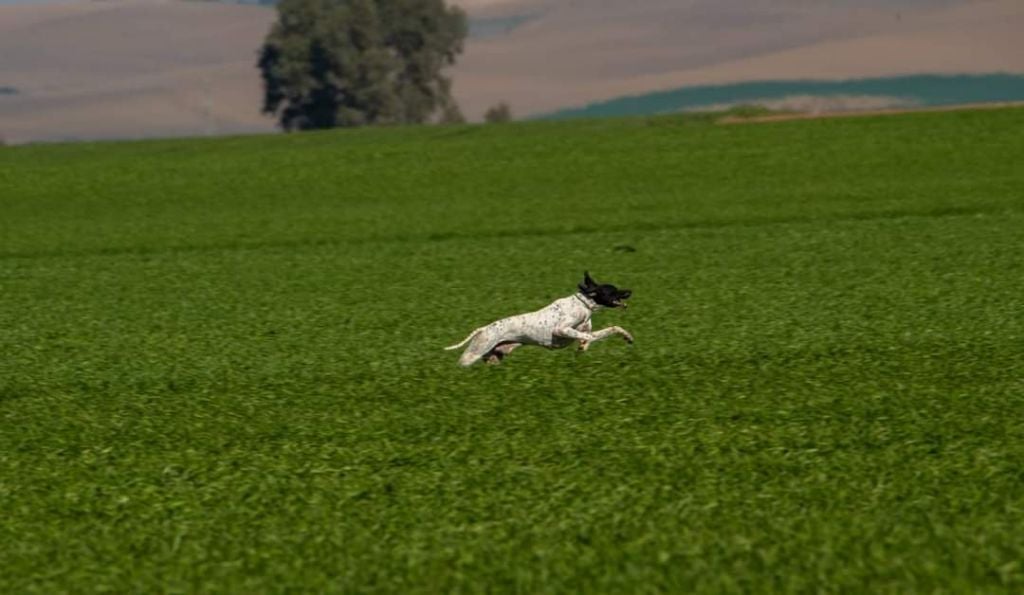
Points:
x=143 y=68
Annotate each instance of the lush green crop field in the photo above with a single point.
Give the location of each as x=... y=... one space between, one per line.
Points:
x=222 y=370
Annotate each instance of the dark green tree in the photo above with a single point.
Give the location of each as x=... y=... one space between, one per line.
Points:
x=329 y=63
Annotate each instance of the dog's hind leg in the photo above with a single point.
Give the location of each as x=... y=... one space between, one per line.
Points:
x=497 y=354
x=479 y=347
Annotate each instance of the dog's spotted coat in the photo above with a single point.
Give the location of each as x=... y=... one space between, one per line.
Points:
x=555 y=326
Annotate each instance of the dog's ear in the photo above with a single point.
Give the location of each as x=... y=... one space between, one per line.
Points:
x=588 y=285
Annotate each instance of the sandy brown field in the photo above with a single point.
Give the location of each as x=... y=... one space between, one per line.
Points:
x=138 y=68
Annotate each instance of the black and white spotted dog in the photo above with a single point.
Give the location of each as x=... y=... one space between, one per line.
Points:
x=555 y=326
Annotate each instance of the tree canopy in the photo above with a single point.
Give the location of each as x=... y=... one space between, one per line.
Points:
x=328 y=63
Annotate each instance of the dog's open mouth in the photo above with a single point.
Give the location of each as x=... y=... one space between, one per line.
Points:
x=620 y=300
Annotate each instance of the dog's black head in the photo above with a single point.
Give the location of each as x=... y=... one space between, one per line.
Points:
x=605 y=295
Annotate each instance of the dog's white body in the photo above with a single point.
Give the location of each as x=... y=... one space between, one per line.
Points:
x=554 y=326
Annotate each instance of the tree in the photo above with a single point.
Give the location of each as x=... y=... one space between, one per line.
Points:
x=451 y=114
x=498 y=114
x=329 y=63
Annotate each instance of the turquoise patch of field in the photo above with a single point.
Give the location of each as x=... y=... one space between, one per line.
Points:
x=918 y=90
x=223 y=371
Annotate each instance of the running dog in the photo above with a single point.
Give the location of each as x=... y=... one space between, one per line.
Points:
x=555 y=326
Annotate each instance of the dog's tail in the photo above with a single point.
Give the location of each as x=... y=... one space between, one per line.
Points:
x=464 y=341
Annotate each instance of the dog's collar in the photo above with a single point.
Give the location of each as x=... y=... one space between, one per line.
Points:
x=589 y=303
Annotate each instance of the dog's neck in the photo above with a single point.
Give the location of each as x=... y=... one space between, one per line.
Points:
x=589 y=303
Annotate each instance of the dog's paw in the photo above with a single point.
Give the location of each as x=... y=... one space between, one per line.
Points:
x=627 y=337
x=584 y=345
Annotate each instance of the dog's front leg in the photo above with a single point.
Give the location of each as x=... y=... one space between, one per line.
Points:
x=585 y=327
x=613 y=330
x=571 y=333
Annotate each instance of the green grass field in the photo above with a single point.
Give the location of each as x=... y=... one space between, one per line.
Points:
x=222 y=370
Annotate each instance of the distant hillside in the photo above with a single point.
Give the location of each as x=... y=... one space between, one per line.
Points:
x=93 y=70
x=589 y=51
x=143 y=68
